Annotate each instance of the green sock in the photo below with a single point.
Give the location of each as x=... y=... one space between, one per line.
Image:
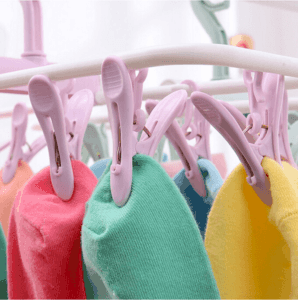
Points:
x=151 y=247
x=3 y=276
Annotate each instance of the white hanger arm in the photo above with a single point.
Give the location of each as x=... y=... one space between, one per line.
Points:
x=241 y=105
x=201 y=54
x=216 y=87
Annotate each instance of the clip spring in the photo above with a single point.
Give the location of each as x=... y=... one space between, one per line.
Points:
x=30 y=149
x=250 y=127
x=119 y=143
x=57 y=154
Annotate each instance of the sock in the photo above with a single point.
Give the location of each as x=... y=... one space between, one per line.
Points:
x=3 y=272
x=200 y=206
x=284 y=212
x=8 y=192
x=151 y=248
x=44 y=250
x=248 y=243
x=220 y=163
x=99 y=167
x=172 y=167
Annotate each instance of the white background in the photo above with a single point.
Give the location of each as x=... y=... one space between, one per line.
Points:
x=80 y=30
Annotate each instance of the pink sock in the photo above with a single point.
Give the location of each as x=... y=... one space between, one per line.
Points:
x=172 y=167
x=219 y=161
x=43 y=248
x=175 y=166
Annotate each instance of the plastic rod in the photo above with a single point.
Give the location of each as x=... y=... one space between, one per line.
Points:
x=202 y=54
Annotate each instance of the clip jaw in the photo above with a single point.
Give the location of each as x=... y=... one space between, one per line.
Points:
x=124 y=102
x=160 y=119
x=220 y=118
x=137 y=85
x=118 y=91
x=34 y=148
x=19 y=126
x=269 y=110
x=200 y=128
x=268 y=106
x=47 y=104
x=168 y=108
x=79 y=109
x=202 y=146
x=285 y=148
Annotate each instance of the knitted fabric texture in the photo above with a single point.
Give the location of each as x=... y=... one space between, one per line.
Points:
x=150 y=248
x=200 y=206
x=44 y=250
x=3 y=272
x=9 y=190
x=284 y=212
x=252 y=257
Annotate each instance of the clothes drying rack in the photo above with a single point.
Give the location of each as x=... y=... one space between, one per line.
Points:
x=200 y=54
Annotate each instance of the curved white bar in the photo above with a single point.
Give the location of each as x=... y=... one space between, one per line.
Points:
x=218 y=87
x=202 y=54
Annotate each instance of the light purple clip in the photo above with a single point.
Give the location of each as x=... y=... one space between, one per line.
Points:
x=47 y=104
x=19 y=126
x=220 y=118
x=4 y=146
x=118 y=90
x=137 y=85
x=264 y=118
x=162 y=110
x=79 y=109
x=200 y=128
x=269 y=107
x=240 y=118
x=35 y=147
x=162 y=115
x=117 y=87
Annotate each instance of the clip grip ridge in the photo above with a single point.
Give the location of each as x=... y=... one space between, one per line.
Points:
x=19 y=126
x=118 y=91
x=221 y=119
x=47 y=104
x=175 y=135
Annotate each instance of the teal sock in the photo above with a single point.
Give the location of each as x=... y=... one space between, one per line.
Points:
x=3 y=272
x=151 y=247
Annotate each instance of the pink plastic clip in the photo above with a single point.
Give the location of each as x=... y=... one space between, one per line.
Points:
x=220 y=118
x=200 y=128
x=285 y=149
x=161 y=111
x=241 y=120
x=164 y=113
x=265 y=117
x=34 y=148
x=79 y=109
x=47 y=104
x=269 y=108
x=19 y=126
x=4 y=146
x=137 y=85
x=117 y=87
x=189 y=110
